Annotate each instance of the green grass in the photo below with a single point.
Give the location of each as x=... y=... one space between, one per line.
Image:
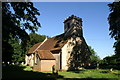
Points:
x=27 y=68
x=90 y=73
x=26 y=72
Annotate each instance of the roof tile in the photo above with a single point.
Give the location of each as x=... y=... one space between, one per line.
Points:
x=45 y=54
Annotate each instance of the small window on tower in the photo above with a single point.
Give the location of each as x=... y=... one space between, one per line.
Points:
x=68 y=51
x=68 y=25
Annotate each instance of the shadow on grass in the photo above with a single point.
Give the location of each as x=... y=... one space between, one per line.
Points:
x=17 y=73
x=104 y=71
x=90 y=79
x=77 y=71
x=118 y=74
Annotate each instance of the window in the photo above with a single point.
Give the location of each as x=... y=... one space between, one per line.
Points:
x=68 y=51
x=37 y=59
x=68 y=25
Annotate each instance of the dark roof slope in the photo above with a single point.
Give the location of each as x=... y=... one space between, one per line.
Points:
x=34 y=47
x=45 y=54
x=48 y=44
x=53 y=43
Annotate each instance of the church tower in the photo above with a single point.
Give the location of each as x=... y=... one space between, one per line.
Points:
x=76 y=51
x=73 y=26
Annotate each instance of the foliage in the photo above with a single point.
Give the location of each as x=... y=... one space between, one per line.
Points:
x=94 y=59
x=17 y=55
x=79 y=56
x=89 y=57
x=16 y=19
x=114 y=25
x=36 y=38
x=110 y=62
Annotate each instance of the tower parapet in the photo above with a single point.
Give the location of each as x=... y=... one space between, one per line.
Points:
x=73 y=26
x=73 y=17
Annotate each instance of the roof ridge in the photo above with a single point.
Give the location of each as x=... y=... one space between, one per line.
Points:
x=42 y=50
x=40 y=45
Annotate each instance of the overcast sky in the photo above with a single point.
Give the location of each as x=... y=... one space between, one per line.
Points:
x=93 y=14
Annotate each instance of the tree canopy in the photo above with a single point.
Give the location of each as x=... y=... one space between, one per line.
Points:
x=114 y=25
x=18 y=53
x=94 y=58
x=110 y=62
x=35 y=38
x=17 y=17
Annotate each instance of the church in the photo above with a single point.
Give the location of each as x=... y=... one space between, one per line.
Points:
x=67 y=51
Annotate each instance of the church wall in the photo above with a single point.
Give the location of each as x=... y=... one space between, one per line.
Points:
x=46 y=65
x=57 y=59
x=66 y=51
x=64 y=54
x=29 y=60
x=38 y=66
x=26 y=59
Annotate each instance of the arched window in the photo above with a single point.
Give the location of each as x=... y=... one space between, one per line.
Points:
x=37 y=59
x=68 y=25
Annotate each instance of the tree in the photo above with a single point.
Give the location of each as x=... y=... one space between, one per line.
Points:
x=94 y=59
x=18 y=53
x=35 y=38
x=110 y=62
x=114 y=25
x=16 y=19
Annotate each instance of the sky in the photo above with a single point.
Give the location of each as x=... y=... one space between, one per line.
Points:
x=73 y=0
x=94 y=16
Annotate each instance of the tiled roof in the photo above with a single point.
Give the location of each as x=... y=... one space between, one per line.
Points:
x=46 y=48
x=48 y=44
x=33 y=48
x=53 y=43
x=45 y=54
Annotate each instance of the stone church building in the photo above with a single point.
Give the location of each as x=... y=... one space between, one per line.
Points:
x=66 y=51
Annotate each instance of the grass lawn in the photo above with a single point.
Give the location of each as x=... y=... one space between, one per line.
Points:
x=26 y=72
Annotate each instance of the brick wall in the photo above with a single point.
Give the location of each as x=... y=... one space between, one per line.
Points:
x=46 y=65
x=37 y=67
x=57 y=57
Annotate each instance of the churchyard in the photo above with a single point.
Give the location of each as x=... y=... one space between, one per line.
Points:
x=67 y=51
x=26 y=72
